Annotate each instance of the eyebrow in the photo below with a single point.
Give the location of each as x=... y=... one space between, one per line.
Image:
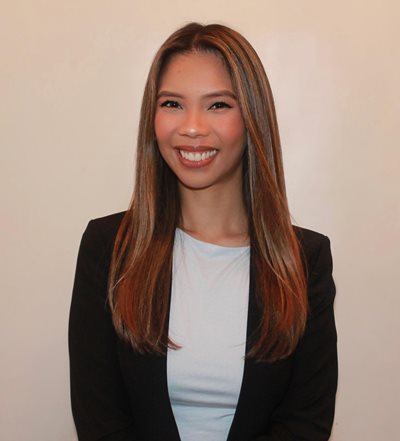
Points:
x=216 y=94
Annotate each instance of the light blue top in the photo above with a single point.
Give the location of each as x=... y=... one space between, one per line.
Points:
x=208 y=319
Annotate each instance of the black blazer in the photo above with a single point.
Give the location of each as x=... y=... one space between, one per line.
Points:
x=119 y=395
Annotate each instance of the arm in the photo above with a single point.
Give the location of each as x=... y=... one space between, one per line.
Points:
x=100 y=405
x=307 y=412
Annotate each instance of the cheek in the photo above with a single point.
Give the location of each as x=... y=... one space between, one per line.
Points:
x=233 y=131
x=163 y=127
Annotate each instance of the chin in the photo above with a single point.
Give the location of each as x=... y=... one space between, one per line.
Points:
x=194 y=184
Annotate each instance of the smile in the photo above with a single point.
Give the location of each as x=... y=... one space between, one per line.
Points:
x=196 y=157
x=193 y=158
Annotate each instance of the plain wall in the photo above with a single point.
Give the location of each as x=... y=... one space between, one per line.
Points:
x=71 y=79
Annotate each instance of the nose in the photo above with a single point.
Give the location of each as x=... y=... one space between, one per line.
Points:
x=193 y=124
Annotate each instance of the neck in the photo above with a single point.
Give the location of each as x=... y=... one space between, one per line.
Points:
x=214 y=215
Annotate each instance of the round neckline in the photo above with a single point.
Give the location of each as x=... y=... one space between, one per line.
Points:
x=211 y=244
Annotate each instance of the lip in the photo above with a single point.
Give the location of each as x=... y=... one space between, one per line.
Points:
x=196 y=149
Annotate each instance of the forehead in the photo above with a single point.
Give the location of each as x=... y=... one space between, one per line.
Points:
x=195 y=70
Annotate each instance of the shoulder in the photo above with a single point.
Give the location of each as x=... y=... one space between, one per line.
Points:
x=104 y=229
x=106 y=226
x=99 y=236
x=312 y=246
x=317 y=257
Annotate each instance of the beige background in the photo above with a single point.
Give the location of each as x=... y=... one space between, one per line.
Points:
x=71 y=79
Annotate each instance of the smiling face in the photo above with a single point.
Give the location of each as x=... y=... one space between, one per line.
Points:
x=198 y=123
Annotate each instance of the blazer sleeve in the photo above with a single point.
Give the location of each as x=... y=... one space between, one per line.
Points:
x=99 y=402
x=307 y=411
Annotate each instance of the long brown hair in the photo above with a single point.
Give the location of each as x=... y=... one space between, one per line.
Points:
x=140 y=273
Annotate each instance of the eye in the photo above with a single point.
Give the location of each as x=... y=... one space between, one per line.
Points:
x=220 y=105
x=170 y=104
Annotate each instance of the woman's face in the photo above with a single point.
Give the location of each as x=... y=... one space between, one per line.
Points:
x=198 y=124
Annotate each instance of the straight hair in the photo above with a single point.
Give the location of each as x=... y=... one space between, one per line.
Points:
x=141 y=264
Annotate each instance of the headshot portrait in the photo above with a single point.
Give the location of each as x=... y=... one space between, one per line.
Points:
x=201 y=224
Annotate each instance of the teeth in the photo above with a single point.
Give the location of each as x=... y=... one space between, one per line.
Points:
x=197 y=156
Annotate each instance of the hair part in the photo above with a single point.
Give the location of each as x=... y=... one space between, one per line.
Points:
x=140 y=273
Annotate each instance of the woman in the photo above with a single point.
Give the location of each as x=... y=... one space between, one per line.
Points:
x=201 y=313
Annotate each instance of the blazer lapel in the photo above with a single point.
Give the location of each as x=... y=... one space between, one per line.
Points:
x=253 y=320
x=263 y=384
